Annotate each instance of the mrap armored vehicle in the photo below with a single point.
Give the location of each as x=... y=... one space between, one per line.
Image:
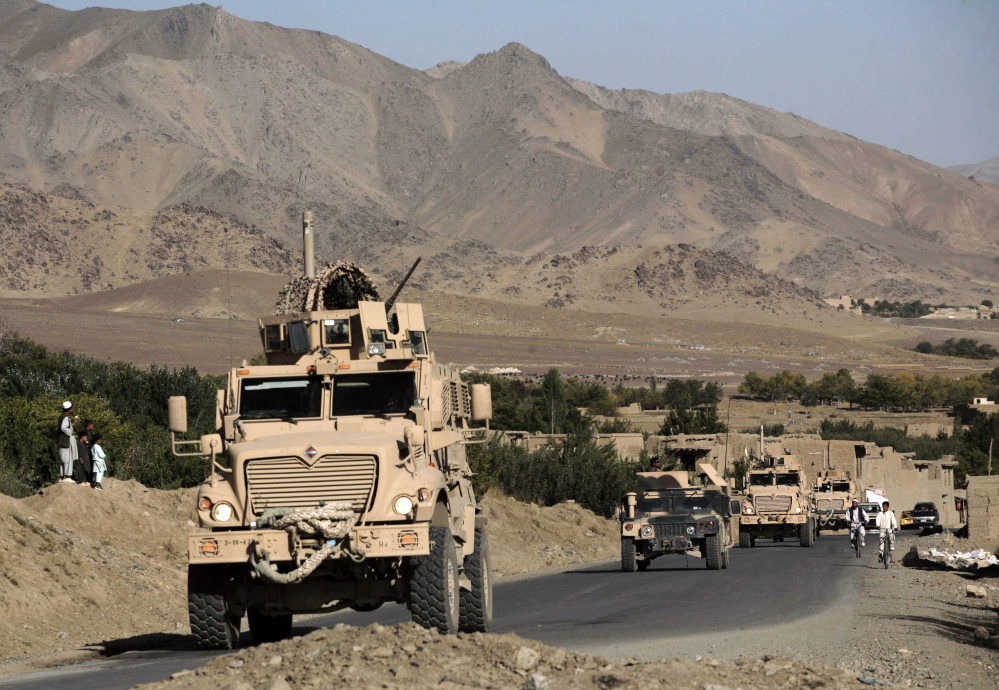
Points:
x=677 y=512
x=832 y=493
x=338 y=477
x=776 y=505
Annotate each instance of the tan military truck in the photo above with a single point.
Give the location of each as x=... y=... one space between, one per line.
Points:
x=338 y=479
x=677 y=512
x=831 y=495
x=776 y=505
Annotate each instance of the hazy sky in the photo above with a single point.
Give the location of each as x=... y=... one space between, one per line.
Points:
x=918 y=76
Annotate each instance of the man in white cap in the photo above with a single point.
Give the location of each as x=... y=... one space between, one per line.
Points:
x=67 y=438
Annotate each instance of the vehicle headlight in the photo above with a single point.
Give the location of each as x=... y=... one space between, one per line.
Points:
x=690 y=529
x=222 y=512
x=647 y=530
x=403 y=505
x=747 y=509
x=797 y=510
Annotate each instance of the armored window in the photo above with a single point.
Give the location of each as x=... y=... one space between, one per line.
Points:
x=272 y=337
x=336 y=331
x=280 y=398
x=841 y=486
x=378 y=335
x=651 y=503
x=788 y=479
x=761 y=480
x=376 y=393
x=418 y=341
x=298 y=335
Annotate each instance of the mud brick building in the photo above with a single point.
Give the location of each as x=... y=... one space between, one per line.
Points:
x=983 y=511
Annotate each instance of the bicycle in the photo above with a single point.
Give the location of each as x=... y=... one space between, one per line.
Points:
x=855 y=538
x=886 y=548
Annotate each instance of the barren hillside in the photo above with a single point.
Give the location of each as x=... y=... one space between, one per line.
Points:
x=151 y=110
x=987 y=171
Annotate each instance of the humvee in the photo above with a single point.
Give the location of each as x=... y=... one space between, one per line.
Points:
x=677 y=513
x=831 y=495
x=776 y=506
x=344 y=483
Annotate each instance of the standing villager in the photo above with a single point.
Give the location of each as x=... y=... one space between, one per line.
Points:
x=67 y=439
x=99 y=462
x=83 y=464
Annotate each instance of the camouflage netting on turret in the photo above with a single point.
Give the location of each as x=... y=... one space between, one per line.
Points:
x=337 y=286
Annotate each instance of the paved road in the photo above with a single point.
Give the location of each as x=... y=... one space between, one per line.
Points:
x=764 y=587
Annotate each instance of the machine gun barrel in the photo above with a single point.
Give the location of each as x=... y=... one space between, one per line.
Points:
x=390 y=302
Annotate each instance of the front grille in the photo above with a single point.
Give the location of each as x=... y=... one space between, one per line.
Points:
x=826 y=504
x=290 y=483
x=670 y=531
x=773 y=504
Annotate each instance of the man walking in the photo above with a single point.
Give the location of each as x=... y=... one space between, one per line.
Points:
x=66 y=442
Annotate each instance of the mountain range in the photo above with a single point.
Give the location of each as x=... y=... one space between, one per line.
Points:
x=492 y=169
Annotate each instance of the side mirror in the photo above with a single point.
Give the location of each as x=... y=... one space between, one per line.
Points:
x=211 y=443
x=177 y=407
x=482 y=402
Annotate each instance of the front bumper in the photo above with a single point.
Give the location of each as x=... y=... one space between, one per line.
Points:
x=795 y=519
x=375 y=541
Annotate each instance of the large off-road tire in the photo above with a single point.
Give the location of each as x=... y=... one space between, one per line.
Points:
x=266 y=628
x=725 y=559
x=433 y=589
x=629 y=560
x=713 y=552
x=212 y=622
x=806 y=533
x=745 y=540
x=643 y=565
x=476 y=606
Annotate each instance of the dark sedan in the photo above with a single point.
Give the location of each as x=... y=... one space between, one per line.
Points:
x=925 y=515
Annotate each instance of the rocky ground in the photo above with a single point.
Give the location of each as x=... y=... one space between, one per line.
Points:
x=921 y=627
x=407 y=656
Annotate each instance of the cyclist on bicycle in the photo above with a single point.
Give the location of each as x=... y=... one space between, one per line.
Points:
x=887 y=526
x=856 y=517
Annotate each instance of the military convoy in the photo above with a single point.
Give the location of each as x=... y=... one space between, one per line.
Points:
x=831 y=495
x=777 y=505
x=677 y=512
x=338 y=478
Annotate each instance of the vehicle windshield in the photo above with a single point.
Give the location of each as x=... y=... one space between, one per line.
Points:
x=788 y=479
x=280 y=398
x=924 y=507
x=653 y=504
x=761 y=480
x=376 y=393
x=841 y=486
x=871 y=507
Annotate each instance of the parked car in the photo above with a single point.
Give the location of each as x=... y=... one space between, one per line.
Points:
x=872 y=510
x=906 y=521
x=925 y=515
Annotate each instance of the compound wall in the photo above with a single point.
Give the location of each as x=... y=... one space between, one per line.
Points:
x=983 y=511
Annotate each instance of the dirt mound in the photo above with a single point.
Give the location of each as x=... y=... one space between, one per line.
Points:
x=80 y=566
x=528 y=537
x=407 y=656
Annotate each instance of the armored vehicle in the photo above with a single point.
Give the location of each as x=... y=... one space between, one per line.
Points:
x=338 y=477
x=831 y=495
x=776 y=505
x=677 y=513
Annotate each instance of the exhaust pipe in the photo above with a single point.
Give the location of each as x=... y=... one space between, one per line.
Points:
x=310 y=245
